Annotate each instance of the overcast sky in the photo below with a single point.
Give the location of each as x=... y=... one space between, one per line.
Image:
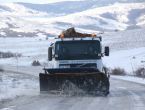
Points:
x=34 y=1
x=28 y=1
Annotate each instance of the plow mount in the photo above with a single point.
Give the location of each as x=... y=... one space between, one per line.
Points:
x=88 y=79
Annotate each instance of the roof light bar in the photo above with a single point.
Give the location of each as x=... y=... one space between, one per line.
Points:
x=62 y=35
x=93 y=35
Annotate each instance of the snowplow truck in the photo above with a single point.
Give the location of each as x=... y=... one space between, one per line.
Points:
x=77 y=58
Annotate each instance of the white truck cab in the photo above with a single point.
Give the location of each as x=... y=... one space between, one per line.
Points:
x=77 y=52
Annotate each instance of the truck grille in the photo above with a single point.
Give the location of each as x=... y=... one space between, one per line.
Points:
x=93 y=65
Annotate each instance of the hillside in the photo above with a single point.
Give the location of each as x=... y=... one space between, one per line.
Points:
x=125 y=40
x=27 y=19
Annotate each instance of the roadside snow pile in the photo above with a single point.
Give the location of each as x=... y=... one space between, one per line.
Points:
x=130 y=78
x=13 y=85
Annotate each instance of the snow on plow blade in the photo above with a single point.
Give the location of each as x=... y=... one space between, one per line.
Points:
x=87 y=79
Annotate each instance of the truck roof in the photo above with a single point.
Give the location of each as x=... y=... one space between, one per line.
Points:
x=78 y=38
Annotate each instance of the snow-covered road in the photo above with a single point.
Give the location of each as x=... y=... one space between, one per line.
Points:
x=124 y=95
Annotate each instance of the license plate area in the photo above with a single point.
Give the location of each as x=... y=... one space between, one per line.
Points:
x=64 y=66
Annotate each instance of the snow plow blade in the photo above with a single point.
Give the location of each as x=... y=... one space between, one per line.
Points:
x=88 y=79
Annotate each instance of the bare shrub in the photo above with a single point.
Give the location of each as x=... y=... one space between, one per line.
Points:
x=1 y=79
x=116 y=30
x=36 y=63
x=118 y=71
x=19 y=54
x=14 y=80
x=46 y=38
x=142 y=61
x=1 y=70
x=9 y=54
x=140 y=72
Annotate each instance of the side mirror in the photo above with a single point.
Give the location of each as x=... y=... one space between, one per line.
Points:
x=50 y=53
x=106 y=51
x=100 y=38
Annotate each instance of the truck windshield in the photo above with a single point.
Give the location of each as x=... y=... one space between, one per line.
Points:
x=77 y=50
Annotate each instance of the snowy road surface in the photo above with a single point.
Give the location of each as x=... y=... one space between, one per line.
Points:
x=124 y=95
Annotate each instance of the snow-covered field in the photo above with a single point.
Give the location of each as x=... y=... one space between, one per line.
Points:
x=130 y=60
x=128 y=56
x=13 y=85
x=30 y=48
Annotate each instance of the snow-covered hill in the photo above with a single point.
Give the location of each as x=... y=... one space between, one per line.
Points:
x=73 y=6
x=18 y=10
x=93 y=15
x=112 y=17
